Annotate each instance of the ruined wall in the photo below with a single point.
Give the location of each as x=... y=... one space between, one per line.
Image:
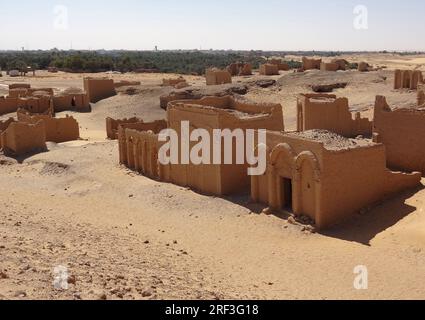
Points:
x=327 y=112
x=5 y=124
x=329 y=66
x=71 y=102
x=21 y=138
x=17 y=93
x=240 y=69
x=409 y=79
x=40 y=105
x=56 y=129
x=421 y=95
x=282 y=66
x=212 y=113
x=138 y=147
x=310 y=64
x=269 y=69
x=363 y=67
x=402 y=131
x=99 y=88
x=216 y=77
x=342 y=63
x=8 y=105
x=112 y=126
x=328 y=185
x=19 y=86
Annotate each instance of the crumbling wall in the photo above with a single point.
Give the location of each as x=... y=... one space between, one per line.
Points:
x=71 y=102
x=40 y=105
x=19 y=86
x=22 y=138
x=364 y=67
x=310 y=64
x=112 y=126
x=5 y=124
x=329 y=66
x=8 y=105
x=56 y=129
x=138 y=146
x=17 y=93
x=99 y=88
x=409 y=79
x=327 y=112
x=212 y=113
x=282 y=66
x=215 y=77
x=402 y=131
x=421 y=95
x=240 y=69
x=269 y=69
x=342 y=63
x=326 y=184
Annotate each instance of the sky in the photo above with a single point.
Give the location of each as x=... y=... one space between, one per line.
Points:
x=282 y=25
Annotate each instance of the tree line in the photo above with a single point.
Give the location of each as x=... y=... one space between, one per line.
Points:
x=184 y=62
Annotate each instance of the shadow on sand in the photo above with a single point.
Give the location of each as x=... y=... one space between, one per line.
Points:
x=362 y=228
x=21 y=158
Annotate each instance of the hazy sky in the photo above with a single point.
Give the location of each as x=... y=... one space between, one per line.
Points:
x=217 y=24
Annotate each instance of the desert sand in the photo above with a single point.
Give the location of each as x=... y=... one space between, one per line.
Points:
x=124 y=236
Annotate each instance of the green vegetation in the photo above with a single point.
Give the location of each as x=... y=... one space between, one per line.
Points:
x=184 y=62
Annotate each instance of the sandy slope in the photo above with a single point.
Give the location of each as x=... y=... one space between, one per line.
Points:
x=125 y=236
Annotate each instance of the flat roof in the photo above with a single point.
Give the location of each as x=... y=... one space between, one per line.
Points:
x=331 y=140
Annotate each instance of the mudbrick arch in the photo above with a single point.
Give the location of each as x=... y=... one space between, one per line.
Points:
x=306 y=200
x=282 y=148
x=308 y=156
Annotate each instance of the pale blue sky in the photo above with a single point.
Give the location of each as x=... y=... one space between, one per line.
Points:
x=217 y=24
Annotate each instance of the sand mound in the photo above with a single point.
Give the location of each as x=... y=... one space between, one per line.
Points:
x=72 y=90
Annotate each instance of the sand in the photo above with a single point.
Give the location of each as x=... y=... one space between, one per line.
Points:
x=124 y=236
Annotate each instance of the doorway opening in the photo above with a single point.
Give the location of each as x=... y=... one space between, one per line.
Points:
x=286 y=189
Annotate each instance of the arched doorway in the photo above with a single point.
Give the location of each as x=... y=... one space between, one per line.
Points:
x=281 y=179
x=307 y=179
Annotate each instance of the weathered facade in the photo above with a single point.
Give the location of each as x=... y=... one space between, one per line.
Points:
x=139 y=147
x=216 y=76
x=99 y=88
x=310 y=64
x=409 y=79
x=327 y=112
x=240 y=69
x=113 y=124
x=325 y=177
x=56 y=129
x=402 y=131
x=21 y=138
x=269 y=69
